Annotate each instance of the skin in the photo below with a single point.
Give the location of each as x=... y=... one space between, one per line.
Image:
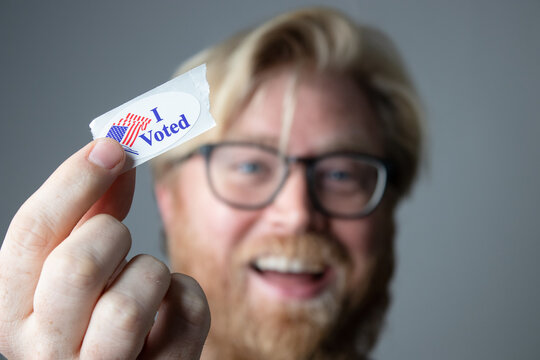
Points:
x=331 y=114
x=66 y=290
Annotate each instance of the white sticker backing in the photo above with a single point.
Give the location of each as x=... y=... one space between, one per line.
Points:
x=161 y=118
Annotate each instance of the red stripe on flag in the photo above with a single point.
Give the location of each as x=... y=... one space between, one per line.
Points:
x=135 y=133
x=137 y=129
x=127 y=138
x=145 y=124
x=134 y=123
x=128 y=133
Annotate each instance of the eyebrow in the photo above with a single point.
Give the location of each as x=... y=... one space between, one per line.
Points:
x=344 y=144
x=260 y=140
x=348 y=144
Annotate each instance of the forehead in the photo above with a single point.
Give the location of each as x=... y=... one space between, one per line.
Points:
x=328 y=112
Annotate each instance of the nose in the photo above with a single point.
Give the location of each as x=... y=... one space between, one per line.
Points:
x=291 y=211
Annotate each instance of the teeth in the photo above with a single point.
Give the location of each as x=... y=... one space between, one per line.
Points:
x=286 y=265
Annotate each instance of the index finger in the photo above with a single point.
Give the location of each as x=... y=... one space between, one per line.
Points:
x=50 y=214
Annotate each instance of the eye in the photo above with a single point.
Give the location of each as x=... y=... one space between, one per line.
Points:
x=337 y=180
x=249 y=172
x=338 y=175
x=249 y=167
x=345 y=175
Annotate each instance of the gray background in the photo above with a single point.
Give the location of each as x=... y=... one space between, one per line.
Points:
x=468 y=245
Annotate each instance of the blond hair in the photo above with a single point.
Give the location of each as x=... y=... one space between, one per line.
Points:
x=326 y=41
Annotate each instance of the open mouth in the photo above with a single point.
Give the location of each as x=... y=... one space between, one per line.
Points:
x=286 y=277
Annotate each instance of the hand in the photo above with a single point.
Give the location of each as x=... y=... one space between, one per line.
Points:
x=66 y=291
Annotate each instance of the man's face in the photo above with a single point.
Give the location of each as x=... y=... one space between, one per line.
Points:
x=283 y=275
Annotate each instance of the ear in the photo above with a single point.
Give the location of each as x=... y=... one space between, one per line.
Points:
x=165 y=202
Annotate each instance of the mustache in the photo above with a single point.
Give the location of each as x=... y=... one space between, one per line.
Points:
x=309 y=247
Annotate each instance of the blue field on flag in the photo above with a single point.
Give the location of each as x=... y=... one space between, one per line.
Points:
x=117 y=132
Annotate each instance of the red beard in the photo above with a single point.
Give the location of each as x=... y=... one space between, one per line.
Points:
x=248 y=325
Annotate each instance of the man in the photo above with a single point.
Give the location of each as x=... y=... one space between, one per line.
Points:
x=284 y=214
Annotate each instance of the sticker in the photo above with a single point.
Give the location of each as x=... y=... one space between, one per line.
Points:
x=160 y=119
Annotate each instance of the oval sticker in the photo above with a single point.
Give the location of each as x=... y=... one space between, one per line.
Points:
x=154 y=124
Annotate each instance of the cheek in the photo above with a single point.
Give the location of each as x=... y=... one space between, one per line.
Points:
x=215 y=227
x=360 y=239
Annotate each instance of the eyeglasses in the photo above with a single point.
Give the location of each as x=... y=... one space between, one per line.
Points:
x=249 y=176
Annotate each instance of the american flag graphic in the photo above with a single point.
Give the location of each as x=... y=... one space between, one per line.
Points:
x=126 y=130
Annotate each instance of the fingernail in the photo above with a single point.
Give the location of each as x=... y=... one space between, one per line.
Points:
x=106 y=154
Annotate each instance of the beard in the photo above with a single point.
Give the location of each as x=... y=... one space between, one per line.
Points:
x=248 y=325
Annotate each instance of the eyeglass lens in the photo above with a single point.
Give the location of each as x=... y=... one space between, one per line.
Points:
x=249 y=176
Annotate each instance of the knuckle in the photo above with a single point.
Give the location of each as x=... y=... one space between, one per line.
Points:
x=6 y=346
x=155 y=272
x=108 y=227
x=45 y=351
x=79 y=270
x=44 y=348
x=197 y=311
x=127 y=312
x=109 y=223
x=30 y=236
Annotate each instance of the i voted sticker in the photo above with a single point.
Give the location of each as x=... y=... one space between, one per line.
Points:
x=155 y=124
x=160 y=119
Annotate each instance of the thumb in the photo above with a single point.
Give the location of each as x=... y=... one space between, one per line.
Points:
x=182 y=324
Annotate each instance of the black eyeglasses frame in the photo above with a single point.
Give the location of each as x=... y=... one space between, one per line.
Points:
x=308 y=162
